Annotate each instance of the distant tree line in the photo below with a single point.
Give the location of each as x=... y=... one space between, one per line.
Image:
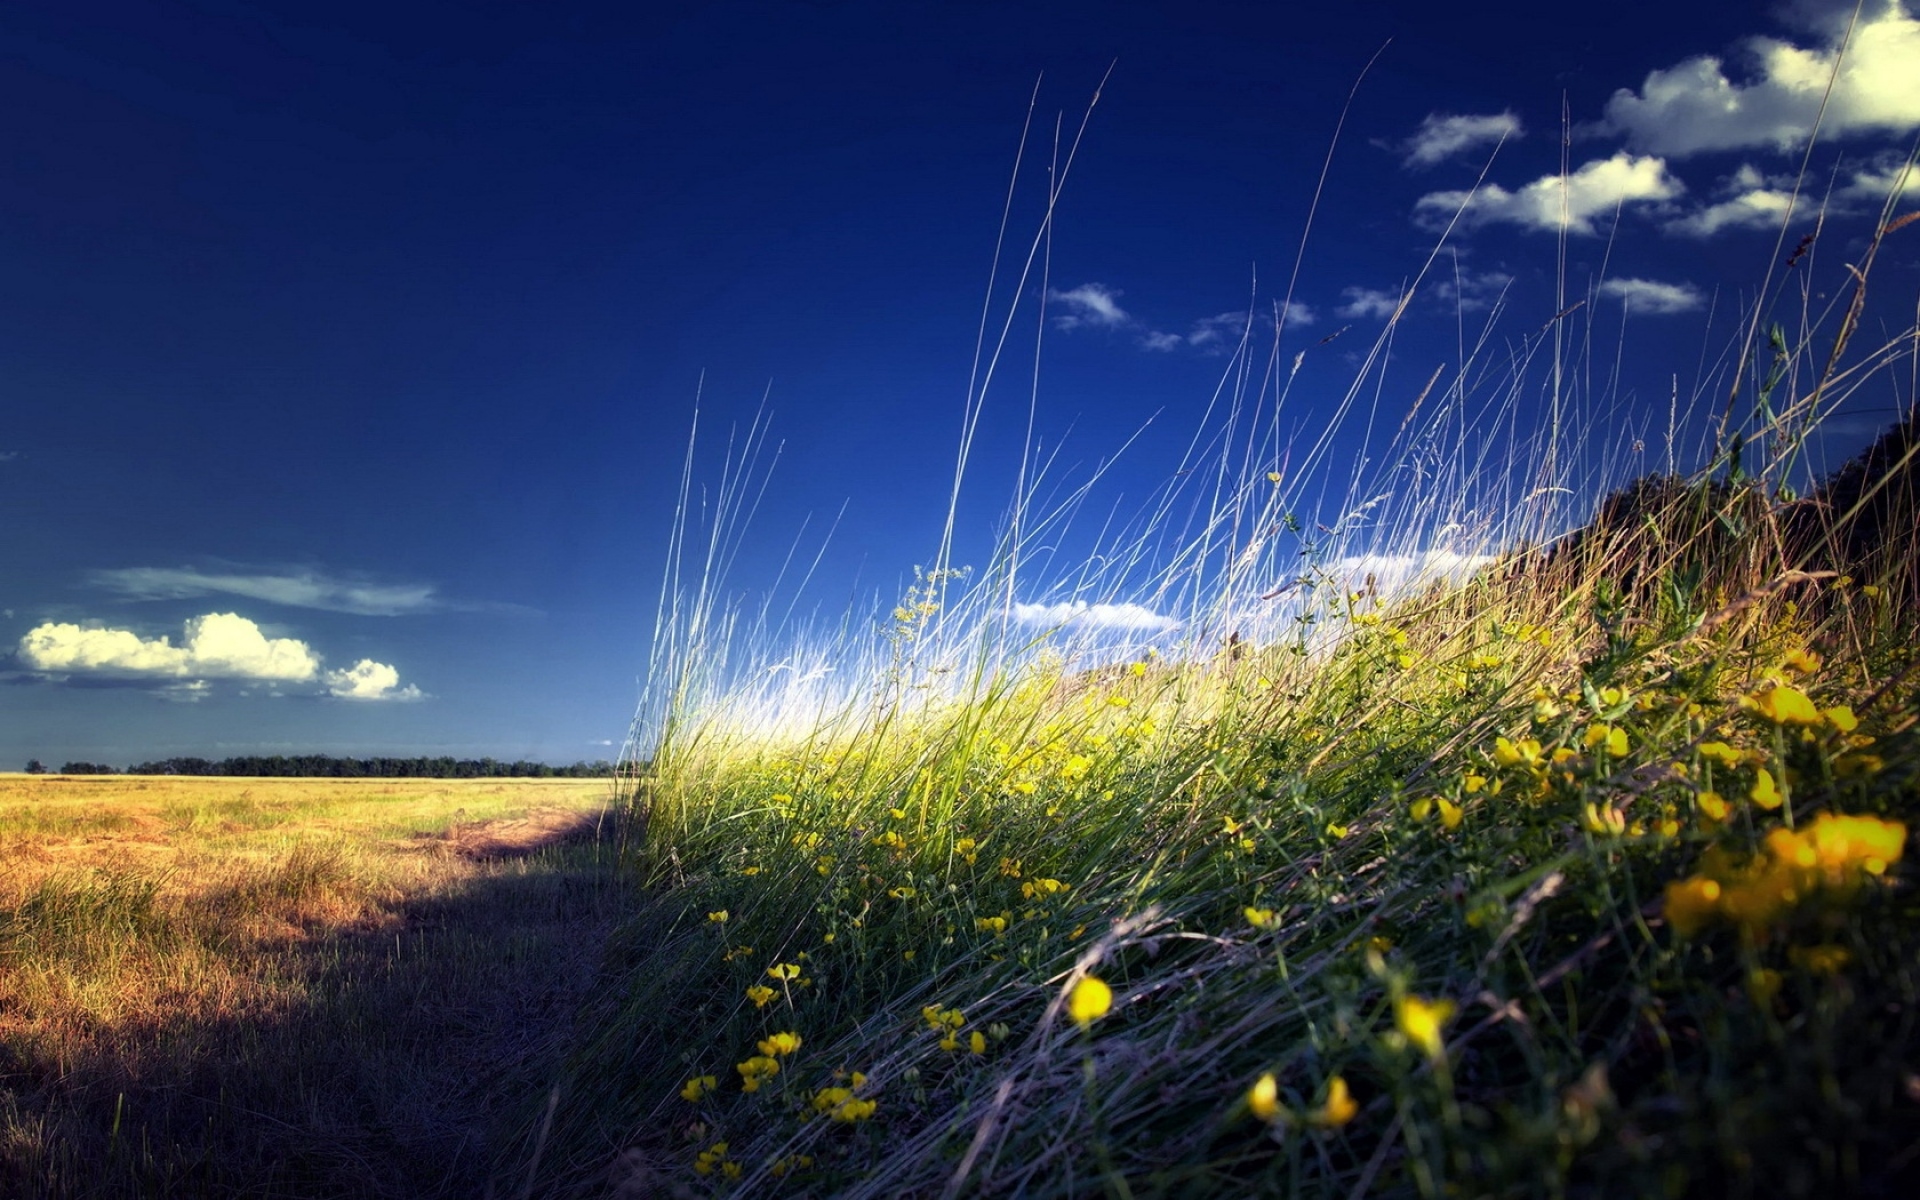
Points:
x=327 y=766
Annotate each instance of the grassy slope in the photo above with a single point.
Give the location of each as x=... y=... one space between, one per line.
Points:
x=284 y=987
x=1478 y=797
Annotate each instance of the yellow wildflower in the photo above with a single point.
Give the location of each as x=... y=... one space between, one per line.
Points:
x=1090 y=1000
x=1712 y=805
x=1692 y=903
x=942 y=1019
x=698 y=1088
x=1841 y=717
x=1010 y=867
x=780 y=1167
x=761 y=995
x=1450 y=814
x=977 y=1042
x=1825 y=959
x=780 y=1045
x=1763 y=985
x=1786 y=705
x=1764 y=793
x=1605 y=820
x=1525 y=752
x=968 y=849
x=1339 y=1108
x=755 y=1071
x=1420 y=1022
x=1263 y=1098
x=718 y=918
x=901 y=893
x=1260 y=918
x=997 y=926
x=1722 y=753
x=714 y=1158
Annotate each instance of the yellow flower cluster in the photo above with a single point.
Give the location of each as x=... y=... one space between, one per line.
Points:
x=1833 y=853
x=714 y=1158
x=1263 y=1101
x=756 y=1071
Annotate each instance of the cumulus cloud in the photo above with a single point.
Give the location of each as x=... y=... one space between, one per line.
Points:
x=1650 y=297
x=214 y=646
x=1597 y=188
x=369 y=680
x=1090 y=304
x=1694 y=107
x=1133 y=618
x=1441 y=137
x=1368 y=303
x=218 y=645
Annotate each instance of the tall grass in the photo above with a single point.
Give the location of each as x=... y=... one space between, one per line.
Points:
x=1462 y=820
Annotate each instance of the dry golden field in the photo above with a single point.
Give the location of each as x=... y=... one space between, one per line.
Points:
x=215 y=985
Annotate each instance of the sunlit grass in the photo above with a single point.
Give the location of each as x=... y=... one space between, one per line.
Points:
x=1510 y=833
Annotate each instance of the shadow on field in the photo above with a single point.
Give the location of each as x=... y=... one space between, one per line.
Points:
x=407 y=1055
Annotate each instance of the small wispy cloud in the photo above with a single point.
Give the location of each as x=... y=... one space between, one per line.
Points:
x=1597 y=188
x=1471 y=291
x=214 y=646
x=1650 y=297
x=293 y=588
x=1079 y=614
x=9 y=455
x=1090 y=304
x=1442 y=137
x=1694 y=107
x=1364 y=303
x=1889 y=175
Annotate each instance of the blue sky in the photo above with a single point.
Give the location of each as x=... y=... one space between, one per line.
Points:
x=348 y=352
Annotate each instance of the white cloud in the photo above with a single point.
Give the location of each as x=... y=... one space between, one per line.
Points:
x=1597 y=188
x=214 y=646
x=1153 y=340
x=302 y=589
x=1693 y=107
x=1219 y=329
x=221 y=645
x=1093 y=304
x=1300 y=314
x=1368 y=303
x=1650 y=297
x=1393 y=573
x=1762 y=208
x=1440 y=138
x=1080 y=614
x=1472 y=291
x=9 y=455
x=369 y=680
x=1873 y=184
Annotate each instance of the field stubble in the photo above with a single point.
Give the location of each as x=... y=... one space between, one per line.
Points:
x=215 y=986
